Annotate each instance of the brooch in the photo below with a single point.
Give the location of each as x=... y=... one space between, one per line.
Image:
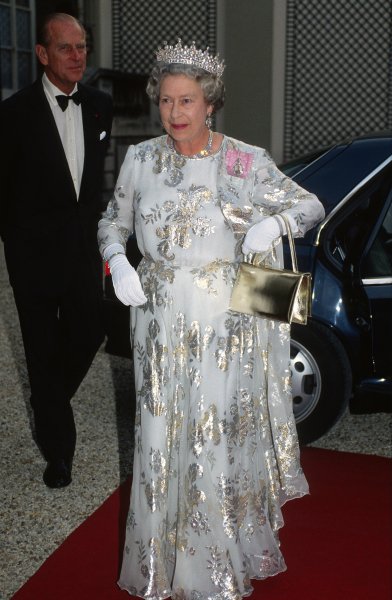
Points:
x=238 y=163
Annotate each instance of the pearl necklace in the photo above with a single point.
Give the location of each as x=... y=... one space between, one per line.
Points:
x=206 y=151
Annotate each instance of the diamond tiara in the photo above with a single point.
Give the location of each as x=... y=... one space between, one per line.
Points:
x=190 y=55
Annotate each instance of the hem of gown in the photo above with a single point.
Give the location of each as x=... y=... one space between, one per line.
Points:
x=294 y=497
x=134 y=593
x=245 y=594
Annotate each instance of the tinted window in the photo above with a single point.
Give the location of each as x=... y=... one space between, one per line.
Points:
x=350 y=230
x=378 y=262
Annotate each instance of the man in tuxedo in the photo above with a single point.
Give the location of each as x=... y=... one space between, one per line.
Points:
x=54 y=136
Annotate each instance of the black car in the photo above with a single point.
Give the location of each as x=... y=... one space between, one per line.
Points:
x=344 y=355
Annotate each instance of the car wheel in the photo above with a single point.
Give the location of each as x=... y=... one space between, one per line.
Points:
x=320 y=378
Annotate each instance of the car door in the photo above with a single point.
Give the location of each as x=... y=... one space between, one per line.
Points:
x=375 y=271
x=356 y=255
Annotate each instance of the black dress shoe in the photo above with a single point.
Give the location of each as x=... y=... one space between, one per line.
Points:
x=58 y=473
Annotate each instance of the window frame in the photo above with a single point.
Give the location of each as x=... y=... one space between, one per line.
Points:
x=16 y=52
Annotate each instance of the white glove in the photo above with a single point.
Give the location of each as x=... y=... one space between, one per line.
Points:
x=126 y=281
x=260 y=236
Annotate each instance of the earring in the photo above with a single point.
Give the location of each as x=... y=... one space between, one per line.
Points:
x=209 y=121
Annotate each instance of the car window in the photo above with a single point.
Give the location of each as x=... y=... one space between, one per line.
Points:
x=351 y=228
x=378 y=262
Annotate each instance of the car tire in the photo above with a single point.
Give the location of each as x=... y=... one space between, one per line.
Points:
x=320 y=378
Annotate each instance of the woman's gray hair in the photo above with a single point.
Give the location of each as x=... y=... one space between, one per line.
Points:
x=212 y=86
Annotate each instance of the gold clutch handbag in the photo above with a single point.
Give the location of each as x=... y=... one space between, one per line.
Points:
x=278 y=294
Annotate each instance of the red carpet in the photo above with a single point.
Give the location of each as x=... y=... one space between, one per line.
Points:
x=337 y=542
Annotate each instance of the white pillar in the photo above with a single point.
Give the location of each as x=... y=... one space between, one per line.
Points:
x=278 y=79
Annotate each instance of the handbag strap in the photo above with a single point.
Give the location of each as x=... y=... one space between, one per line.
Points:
x=291 y=242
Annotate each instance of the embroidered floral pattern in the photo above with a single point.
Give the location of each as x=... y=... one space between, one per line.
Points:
x=204 y=276
x=183 y=220
x=170 y=164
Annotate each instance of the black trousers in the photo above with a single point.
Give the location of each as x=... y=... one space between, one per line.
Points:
x=62 y=331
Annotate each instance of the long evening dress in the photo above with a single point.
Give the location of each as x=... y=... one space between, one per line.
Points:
x=216 y=450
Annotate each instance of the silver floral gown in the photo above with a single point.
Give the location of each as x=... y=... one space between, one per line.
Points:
x=216 y=452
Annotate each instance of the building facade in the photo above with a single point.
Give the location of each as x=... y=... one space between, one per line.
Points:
x=300 y=73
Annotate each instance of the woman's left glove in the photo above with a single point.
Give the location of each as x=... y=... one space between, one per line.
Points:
x=260 y=236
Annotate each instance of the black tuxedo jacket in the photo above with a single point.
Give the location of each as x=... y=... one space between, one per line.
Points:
x=44 y=227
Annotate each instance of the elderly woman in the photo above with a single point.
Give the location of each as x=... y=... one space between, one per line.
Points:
x=216 y=451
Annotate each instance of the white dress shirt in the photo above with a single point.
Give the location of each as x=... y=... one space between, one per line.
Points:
x=70 y=127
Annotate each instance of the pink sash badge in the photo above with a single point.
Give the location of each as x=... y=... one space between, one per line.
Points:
x=238 y=163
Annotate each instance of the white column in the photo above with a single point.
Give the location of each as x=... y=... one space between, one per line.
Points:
x=278 y=79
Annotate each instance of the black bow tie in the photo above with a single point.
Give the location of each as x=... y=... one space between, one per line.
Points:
x=63 y=100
